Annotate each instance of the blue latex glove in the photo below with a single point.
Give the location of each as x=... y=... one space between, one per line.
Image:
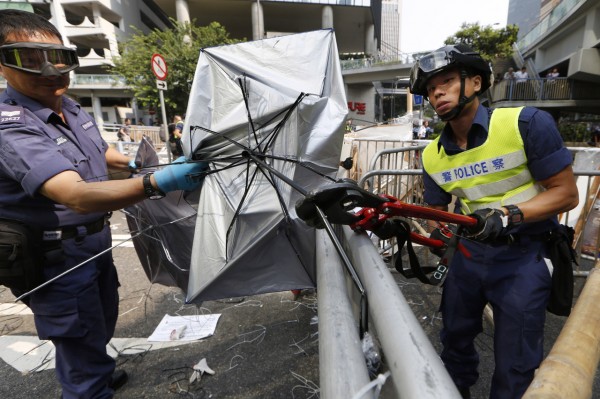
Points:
x=133 y=166
x=180 y=175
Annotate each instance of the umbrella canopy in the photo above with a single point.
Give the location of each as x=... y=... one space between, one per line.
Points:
x=269 y=117
x=162 y=230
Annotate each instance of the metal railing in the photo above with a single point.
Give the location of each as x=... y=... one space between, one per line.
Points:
x=364 y=150
x=534 y=89
x=112 y=81
x=153 y=133
x=390 y=173
x=379 y=60
x=414 y=365
x=416 y=369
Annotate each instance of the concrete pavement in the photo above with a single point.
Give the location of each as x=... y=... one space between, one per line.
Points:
x=264 y=346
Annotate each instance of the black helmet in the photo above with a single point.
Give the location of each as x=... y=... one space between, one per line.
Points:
x=451 y=56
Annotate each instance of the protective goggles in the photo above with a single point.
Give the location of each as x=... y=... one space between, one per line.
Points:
x=43 y=59
x=435 y=60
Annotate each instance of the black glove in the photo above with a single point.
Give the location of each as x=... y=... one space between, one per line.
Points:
x=490 y=225
x=437 y=234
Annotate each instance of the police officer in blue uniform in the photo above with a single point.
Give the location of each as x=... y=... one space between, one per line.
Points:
x=510 y=170
x=53 y=178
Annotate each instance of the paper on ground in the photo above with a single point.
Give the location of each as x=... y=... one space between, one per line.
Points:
x=30 y=354
x=184 y=328
x=14 y=309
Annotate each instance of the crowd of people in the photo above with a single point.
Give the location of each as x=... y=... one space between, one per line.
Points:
x=522 y=75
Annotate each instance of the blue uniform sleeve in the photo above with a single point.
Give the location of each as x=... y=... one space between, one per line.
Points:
x=546 y=152
x=27 y=155
x=434 y=195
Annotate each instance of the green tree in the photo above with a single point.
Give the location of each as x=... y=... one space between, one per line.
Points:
x=489 y=42
x=180 y=46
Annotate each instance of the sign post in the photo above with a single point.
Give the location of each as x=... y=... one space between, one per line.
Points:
x=159 y=69
x=418 y=100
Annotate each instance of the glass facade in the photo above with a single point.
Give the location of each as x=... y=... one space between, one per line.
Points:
x=564 y=8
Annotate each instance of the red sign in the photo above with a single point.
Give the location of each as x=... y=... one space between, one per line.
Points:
x=159 y=67
x=359 y=108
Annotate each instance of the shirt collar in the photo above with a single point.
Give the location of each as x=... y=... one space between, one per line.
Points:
x=38 y=109
x=477 y=134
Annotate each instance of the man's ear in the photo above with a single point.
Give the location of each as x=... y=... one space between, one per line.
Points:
x=477 y=79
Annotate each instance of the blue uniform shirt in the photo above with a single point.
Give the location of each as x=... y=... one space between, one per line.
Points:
x=35 y=145
x=544 y=147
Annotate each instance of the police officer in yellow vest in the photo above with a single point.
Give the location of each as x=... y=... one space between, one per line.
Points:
x=509 y=169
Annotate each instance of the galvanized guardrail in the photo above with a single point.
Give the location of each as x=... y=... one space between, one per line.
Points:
x=415 y=367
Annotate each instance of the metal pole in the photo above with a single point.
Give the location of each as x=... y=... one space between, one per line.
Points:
x=165 y=124
x=343 y=370
x=417 y=370
x=393 y=101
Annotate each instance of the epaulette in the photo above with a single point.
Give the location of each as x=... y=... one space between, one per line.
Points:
x=11 y=114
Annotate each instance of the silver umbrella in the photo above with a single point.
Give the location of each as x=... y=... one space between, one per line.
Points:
x=268 y=115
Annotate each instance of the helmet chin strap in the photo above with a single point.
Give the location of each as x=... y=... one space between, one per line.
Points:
x=454 y=112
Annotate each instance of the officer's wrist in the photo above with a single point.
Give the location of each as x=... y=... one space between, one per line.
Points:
x=153 y=182
x=513 y=215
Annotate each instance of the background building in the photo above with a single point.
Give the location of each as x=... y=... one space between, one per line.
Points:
x=95 y=27
x=523 y=13
x=566 y=36
x=553 y=33
x=391 y=11
x=357 y=22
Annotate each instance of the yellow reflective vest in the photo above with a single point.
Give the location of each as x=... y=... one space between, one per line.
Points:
x=491 y=175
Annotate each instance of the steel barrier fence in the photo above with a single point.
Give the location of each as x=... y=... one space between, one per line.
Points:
x=415 y=367
x=397 y=179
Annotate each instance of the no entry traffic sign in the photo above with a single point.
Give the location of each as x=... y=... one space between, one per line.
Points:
x=159 y=67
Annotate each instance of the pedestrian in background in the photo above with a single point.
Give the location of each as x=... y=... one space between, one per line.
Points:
x=595 y=137
x=424 y=130
x=175 y=135
x=124 y=131
x=178 y=133
x=522 y=75
x=55 y=191
x=510 y=74
x=552 y=74
x=509 y=169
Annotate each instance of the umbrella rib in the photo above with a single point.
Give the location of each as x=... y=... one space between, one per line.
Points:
x=302 y=164
x=244 y=94
x=271 y=180
x=239 y=207
x=242 y=83
x=222 y=135
x=288 y=112
x=271 y=136
x=277 y=173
